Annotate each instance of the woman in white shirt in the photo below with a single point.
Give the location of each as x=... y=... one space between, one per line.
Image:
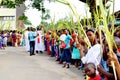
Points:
x=94 y=52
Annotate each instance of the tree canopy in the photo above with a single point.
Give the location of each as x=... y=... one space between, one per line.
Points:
x=11 y=3
x=38 y=4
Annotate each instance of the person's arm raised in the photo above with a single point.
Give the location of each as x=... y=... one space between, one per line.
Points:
x=116 y=62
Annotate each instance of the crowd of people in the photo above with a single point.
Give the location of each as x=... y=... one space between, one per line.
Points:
x=69 y=48
x=10 y=38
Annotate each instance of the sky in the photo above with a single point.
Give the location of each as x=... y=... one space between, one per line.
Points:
x=59 y=11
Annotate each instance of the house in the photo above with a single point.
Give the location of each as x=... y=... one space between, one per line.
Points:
x=9 y=17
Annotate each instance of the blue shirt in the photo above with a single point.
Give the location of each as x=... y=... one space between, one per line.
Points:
x=31 y=36
x=67 y=41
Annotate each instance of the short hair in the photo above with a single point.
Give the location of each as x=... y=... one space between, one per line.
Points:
x=91 y=29
x=90 y=64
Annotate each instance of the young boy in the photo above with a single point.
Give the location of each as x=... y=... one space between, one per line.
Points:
x=90 y=71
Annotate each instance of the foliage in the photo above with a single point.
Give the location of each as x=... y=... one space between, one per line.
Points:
x=11 y=3
x=9 y=25
x=25 y=20
x=1 y=26
x=65 y=23
x=23 y=17
x=38 y=4
x=45 y=16
x=98 y=13
x=109 y=36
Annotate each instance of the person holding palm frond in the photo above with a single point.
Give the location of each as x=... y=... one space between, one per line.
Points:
x=93 y=55
x=107 y=57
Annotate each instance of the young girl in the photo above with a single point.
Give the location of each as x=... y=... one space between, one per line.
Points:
x=75 y=53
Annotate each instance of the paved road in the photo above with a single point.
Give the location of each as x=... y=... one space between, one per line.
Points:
x=16 y=64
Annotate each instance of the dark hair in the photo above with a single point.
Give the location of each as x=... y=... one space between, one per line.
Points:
x=28 y=28
x=38 y=28
x=90 y=64
x=20 y=32
x=58 y=32
x=91 y=29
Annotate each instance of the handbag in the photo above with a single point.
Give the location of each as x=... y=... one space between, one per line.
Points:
x=63 y=45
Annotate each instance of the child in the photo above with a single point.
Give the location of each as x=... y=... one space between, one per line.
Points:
x=0 y=42
x=57 y=43
x=90 y=71
x=75 y=53
x=52 y=46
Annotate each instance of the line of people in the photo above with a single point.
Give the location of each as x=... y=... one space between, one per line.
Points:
x=11 y=38
x=34 y=40
x=71 y=49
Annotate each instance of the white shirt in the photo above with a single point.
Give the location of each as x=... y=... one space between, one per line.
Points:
x=26 y=34
x=63 y=37
x=93 y=55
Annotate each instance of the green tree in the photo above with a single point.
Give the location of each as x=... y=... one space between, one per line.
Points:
x=25 y=20
x=11 y=3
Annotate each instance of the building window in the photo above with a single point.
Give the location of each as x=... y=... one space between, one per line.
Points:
x=11 y=18
x=8 y=18
x=4 y=18
x=3 y=6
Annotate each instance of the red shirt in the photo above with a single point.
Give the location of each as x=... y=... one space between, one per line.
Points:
x=97 y=77
x=119 y=50
x=47 y=37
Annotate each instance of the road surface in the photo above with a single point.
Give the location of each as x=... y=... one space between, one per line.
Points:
x=16 y=64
